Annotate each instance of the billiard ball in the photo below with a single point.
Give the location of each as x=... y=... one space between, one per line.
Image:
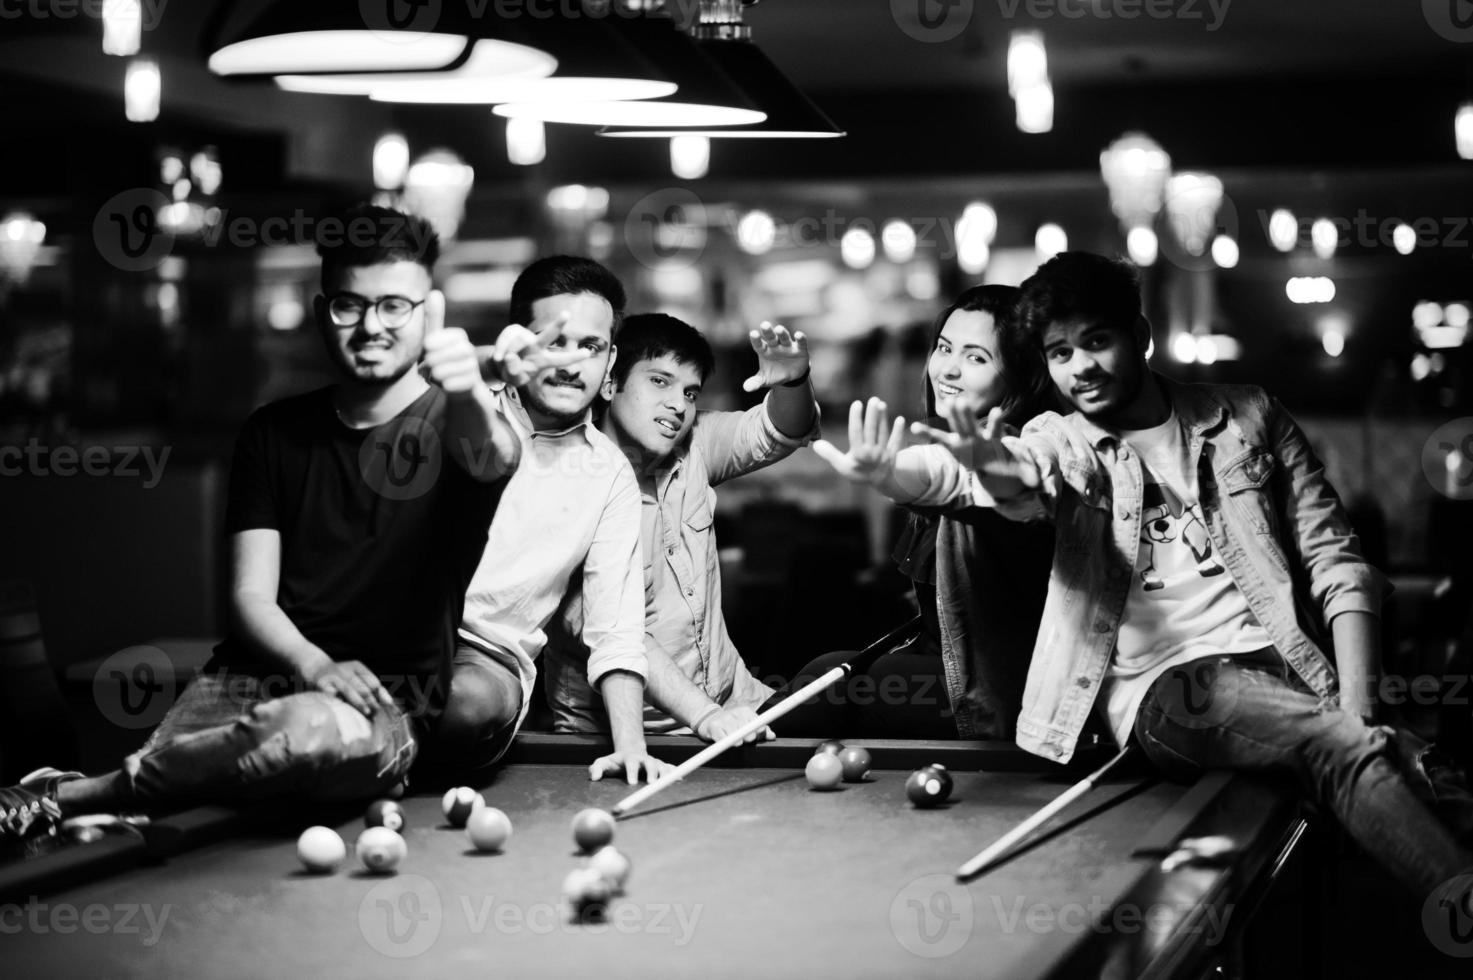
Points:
x=939 y=771
x=587 y=894
x=612 y=865
x=459 y=803
x=380 y=849
x=592 y=829
x=924 y=787
x=824 y=771
x=855 y=763
x=384 y=813
x=832 y=747
x=321 y=849
x=488 y=829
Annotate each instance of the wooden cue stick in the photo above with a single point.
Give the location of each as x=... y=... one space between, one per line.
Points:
x=761 y=721
x=1006 y=841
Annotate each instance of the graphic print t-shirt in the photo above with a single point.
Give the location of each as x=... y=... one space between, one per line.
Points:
x=1183 y=604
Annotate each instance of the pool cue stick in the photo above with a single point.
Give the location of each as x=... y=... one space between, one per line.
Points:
x=1006 y=841
x=861 y=659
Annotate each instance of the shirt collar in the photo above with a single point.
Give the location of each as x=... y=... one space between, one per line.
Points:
x=518 y=413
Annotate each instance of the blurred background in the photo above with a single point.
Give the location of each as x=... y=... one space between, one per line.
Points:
x=1292 y=179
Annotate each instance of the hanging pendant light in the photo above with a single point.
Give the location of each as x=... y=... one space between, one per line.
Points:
x=726 y=39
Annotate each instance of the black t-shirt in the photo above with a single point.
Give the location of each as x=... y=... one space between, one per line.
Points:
x=380 y=534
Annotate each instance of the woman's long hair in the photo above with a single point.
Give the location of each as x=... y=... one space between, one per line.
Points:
x=1024 y=375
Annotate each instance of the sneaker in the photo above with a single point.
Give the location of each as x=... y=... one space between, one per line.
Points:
x=30 y=808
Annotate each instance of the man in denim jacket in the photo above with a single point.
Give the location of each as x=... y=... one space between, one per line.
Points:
x=1202 y=567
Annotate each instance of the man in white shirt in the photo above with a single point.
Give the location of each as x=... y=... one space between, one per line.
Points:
x=572 y=506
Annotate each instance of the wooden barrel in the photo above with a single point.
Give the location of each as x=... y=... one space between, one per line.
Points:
x=35 y=730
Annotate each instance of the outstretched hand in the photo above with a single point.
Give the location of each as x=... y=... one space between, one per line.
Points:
x=874 y=444
x=521 y=353
x=983 y=445
x=781 y=356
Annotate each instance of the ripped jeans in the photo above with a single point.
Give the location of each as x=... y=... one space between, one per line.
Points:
x=1390 y=791
x=224 y=740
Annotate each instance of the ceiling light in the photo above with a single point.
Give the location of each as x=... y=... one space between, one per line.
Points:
x=727 y=42
x=487 y=63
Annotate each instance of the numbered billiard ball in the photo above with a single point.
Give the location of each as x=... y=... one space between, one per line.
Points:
x=380 y=849
x=824 y=771
x=925 y=788
x=939 y=771
x=459 y=803
x=832 y=747
x=587 y=894
x=592 y=829
x=321 y=849
x=384 y=813
x=488 y=829
x=612 y=865
x=855 y=763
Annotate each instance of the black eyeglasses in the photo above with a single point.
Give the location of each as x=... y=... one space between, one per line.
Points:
x=349 y=309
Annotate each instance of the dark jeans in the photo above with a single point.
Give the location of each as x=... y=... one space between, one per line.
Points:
x=225 y=739
x=902 y=695
x=1252 y=712
x=477 y=723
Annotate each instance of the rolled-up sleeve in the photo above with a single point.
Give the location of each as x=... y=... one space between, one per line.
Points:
x=1340 y=578
x=736 y=443
x=613 y=585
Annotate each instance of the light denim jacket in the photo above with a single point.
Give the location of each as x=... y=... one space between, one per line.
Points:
x=1271 y=514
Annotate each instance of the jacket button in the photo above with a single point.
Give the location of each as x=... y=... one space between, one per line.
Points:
x=1083 y=682
x=690 y=590
x=1102 y=627
x=1124 y=513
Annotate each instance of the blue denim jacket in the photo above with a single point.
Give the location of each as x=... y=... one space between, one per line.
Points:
x=1272 y=516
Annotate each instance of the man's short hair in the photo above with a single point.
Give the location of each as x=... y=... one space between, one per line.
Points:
x=1080 y=286
x=564 y=275
x=646 y=336
x=367 y=234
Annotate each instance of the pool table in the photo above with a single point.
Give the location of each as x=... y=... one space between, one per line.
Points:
x=741 y=869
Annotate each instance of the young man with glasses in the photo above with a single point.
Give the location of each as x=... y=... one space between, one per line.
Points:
x=356 y=516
